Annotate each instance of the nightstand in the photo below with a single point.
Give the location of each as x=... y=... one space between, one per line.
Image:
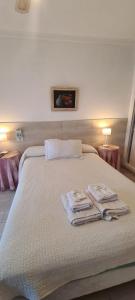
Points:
x=111 y=154
x=9 y=164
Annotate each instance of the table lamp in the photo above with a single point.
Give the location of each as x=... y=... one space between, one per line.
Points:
x=106 y=132
x=3 y=138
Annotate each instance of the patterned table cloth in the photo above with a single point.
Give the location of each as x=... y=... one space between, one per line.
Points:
x=111 y=155
x=9 y=164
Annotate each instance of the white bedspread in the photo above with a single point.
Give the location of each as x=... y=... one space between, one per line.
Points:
x=39 y=250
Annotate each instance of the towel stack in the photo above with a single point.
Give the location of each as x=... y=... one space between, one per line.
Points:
x=79 y=208
x=78 y=201
x=102 y=193
x=98 y=202
x=107 y=201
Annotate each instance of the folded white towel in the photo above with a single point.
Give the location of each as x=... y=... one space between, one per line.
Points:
x=111 y=210
x=102 y=193
x=81 y=217
x=78 y=201
x=77 y=195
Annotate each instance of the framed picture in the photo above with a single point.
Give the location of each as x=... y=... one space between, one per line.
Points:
x=64 y=99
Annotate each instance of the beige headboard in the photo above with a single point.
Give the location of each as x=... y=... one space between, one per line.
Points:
x=89 y=131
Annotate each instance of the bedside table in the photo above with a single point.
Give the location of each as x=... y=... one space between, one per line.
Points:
x=9 y=164
x=111 y=154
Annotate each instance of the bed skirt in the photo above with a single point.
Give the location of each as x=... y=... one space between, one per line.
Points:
x=93 y=284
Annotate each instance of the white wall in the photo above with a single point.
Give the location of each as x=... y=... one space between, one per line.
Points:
x=87 y=18
x=28 y=68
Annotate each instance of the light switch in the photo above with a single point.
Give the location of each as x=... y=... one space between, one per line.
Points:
x=19 y=135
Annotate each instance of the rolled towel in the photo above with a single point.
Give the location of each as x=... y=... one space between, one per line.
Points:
x=82 y=217
x=102 y=193
x=78 y=201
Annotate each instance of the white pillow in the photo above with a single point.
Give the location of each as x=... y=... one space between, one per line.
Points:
x=88 y=149
x=55 y=148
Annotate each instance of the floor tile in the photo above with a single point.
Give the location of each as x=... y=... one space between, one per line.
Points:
x=123 y=292
x=128 y=174
x=104 y=295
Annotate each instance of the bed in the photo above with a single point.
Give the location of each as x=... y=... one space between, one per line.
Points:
x=44 y=257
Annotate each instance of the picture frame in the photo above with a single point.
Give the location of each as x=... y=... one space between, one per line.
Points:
x=64 y=98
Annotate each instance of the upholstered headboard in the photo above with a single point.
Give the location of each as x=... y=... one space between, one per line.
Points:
x=89 y=131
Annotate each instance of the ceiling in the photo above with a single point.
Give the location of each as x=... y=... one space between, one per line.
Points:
x=104 y=19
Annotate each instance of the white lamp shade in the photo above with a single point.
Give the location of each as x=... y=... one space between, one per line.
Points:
x=107 y=131
x=3 y=136
x=23 y=6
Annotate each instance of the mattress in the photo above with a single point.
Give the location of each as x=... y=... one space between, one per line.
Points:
x=40 y=251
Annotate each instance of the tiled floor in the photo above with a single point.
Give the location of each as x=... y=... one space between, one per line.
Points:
x=123 y=292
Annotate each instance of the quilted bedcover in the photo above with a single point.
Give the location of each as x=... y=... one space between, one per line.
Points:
x=39 y=250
